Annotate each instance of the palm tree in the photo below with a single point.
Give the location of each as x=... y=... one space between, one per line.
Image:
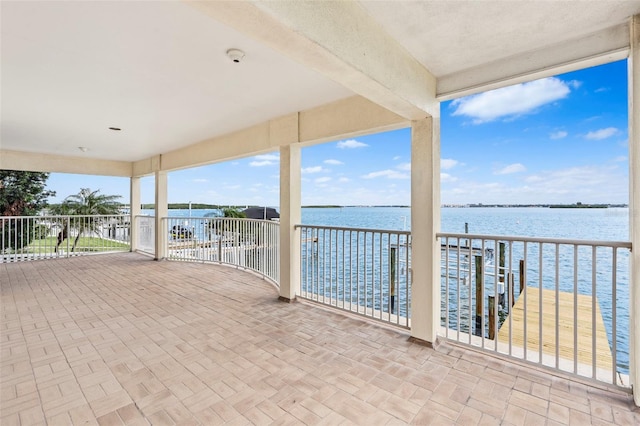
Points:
x=86 y=203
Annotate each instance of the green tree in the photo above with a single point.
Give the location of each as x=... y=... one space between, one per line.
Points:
x=89 y=204
x=21 y=194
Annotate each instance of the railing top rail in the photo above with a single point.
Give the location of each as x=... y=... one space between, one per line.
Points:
x=545 y=240
x=221 y=218
x=341 y=228
x=49 y=216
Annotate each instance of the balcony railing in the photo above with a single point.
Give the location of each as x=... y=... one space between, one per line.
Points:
x=146 y=226
x=561 y=304
x=245 y=243
x=26 y=238
x=363 y=271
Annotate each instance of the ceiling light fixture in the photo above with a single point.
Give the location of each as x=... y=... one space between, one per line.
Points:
x=236 y=55
x=83 y=148
x=117 y=129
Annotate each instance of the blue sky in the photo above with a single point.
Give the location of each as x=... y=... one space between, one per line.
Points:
x=561 y=139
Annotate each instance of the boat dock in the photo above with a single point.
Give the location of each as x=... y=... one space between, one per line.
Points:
x=575 y=346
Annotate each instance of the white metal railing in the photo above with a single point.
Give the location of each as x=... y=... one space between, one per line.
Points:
x=558 y=303
x=146 y=226
x=24 y=238
x=364 y=271
x=245 y=243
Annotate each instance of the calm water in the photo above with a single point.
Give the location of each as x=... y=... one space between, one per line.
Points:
x=587 y=224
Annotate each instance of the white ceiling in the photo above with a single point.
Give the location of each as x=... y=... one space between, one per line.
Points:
x=158 y=70
x=451 y=36
x=71 y=70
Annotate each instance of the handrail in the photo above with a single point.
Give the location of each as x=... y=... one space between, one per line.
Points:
x=556 y=302
x=251 y=244
x=362 y=271
x=567 y=241
x=27 y=238
x=344 y=228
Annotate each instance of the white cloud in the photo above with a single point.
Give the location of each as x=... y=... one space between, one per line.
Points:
x=262 y=163
x=268 y=157
x=586 y=183
x=200 y=180
x=333 y=162
x=396 y=158
x=558 y=135
x=448 y=163
x=600 y=134
x=512 y=101
x=601 y=89
x=265 y=160
x=404 y=166
x=511 y=168
x=390 y=174
x=344 y=180
x=314 y=169
x=574 y=83
x=620 y=159
x=322 y=179
x=446 y=178
x=351 y=143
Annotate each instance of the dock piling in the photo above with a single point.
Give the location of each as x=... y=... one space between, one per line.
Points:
x=392 y=272
x=479 y=296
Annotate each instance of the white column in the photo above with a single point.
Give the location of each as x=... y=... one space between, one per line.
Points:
x=134 y=210
x=162 y=211
x=634 y=204
x=425 y=223
x=289 y=217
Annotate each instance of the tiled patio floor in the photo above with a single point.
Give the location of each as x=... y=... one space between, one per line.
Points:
x=122 y=339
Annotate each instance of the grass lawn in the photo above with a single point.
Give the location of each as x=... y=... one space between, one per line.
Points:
x=84 y=244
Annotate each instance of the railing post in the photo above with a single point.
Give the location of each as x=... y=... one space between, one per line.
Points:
x=68 y=234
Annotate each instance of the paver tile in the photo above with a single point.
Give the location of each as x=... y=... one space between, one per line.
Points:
x=120 y=339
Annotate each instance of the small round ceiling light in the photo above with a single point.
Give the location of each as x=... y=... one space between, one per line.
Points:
x=236 y=55
x=117 y=129
x=83 y=148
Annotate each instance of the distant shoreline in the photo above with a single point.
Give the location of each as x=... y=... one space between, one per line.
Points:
x=194 y=206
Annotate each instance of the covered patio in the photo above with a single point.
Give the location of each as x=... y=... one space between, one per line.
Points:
x=135 y=89
x=120 y=339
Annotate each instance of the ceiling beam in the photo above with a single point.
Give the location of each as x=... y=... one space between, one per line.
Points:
x=341 y=41
x=351 y=117
x=38 y=162
x=599 y=48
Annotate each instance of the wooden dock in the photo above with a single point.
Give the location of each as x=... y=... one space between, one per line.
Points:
x=566 y=328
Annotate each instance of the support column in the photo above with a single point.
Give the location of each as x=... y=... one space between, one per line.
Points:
x=634 y=204
x=162 y=211
x=134 y=211
x=289 y=217
x=425 y=223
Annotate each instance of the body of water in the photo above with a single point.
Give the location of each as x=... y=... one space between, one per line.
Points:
x=611 y=224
